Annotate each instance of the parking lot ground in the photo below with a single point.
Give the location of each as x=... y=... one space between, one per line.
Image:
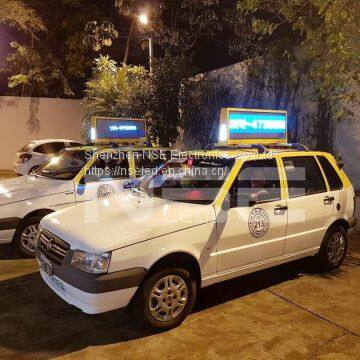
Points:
x=6 y=174
x=288 y=312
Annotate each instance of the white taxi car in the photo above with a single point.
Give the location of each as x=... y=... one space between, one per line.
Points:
x=72 y=176
x=36 y=152
x=200 y=220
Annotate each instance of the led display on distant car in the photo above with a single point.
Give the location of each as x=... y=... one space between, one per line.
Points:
x=118 y=129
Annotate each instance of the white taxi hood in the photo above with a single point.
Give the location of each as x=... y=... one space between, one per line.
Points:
x=29 y=187
x=122 y=220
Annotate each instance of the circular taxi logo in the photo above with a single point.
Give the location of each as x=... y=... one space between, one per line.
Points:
x=259 y=222
x=105 y=190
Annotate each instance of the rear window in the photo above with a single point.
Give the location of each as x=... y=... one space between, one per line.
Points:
x=303 y=175
x=332 y=176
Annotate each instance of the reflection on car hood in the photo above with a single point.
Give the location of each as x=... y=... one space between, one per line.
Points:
x=27 y=187
x=122 y=220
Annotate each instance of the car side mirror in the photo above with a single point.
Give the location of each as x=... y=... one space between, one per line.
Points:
x=130 y=183
x=82 y=181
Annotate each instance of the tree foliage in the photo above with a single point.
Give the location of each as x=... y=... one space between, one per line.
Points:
x=168 y=75
x=202 y=98
x=69 y=34
x=18 y=14
x=117 y=91
x=318 y=47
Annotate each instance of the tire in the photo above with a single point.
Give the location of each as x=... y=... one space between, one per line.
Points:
x=333 y=248
x=27 y=227
x=143 y=299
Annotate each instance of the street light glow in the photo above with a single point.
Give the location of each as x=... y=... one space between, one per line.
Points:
x=143 y=18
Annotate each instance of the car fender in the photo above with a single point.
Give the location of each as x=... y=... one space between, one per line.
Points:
x=199 y=241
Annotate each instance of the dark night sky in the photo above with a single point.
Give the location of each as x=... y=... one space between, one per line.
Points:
x=209 y=53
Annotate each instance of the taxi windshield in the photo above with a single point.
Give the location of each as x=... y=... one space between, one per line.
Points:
x=64 y=165
x=194 y=180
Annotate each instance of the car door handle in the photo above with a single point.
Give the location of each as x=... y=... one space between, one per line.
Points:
x=280 y=209
x=328 y=200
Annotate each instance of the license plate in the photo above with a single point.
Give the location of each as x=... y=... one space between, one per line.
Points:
x=46 y=265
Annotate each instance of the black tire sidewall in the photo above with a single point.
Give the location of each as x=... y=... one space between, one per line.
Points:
x=325 y=263
x=141 y=309
x=32 y=220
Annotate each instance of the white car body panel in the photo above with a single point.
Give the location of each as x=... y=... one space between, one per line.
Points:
x=237 y=247
x=23 y=195
x=37 y=158
x=143 y=218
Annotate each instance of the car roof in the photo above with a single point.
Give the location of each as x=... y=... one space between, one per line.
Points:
x=104 y=148
x=251 y=153
x=45 y=141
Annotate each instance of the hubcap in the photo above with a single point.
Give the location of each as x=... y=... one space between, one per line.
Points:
x=336 y=248
x=168 y=298
x=28 y=237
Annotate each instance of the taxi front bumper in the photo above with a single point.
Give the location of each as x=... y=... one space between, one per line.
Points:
x=87 y=302
x=92 y=293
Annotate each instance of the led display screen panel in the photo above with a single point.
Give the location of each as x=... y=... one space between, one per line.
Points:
x=119 y=129
x=256 y=125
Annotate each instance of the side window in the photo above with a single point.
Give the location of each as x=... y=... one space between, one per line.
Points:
x=41 y=149
x=303 y=175
x=332 y=176
x=74 y=144
x=50 y=148
x=108 y=168
x=257 y=182
x=55 y=147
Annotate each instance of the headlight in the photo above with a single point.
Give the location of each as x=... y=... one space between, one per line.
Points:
x=91 y=263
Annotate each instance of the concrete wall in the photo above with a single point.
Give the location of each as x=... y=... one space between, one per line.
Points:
x=23 y=119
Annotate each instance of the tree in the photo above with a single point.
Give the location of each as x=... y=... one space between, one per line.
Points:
x=167 y=77
x=317 y=41
x=63 y=40
x=202 y=98
x=15 y=13
x=117 y=91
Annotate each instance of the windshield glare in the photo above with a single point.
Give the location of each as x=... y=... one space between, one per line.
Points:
x=63 y=166
x=195 y=180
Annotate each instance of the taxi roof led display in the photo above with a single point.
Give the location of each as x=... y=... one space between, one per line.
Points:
x=257 y=125
x=120 y=129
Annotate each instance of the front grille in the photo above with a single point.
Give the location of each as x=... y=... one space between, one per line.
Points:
x=52 y=247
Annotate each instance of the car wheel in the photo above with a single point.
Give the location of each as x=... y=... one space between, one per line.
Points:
x=25 y=235
x=165 y=298
x=333 y=248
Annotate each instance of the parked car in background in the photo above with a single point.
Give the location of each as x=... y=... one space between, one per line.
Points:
x=72 y=176
x=36 y=152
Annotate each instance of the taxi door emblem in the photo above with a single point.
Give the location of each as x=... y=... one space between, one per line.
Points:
x=105 y=190
x=258 y=222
